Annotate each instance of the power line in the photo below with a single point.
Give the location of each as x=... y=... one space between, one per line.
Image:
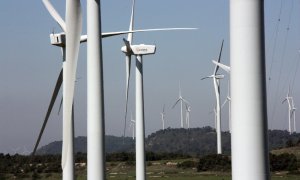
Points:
x=281 y=61
x=275 y=35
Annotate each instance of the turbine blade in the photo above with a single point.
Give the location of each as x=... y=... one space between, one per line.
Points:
x=53 y=98
x=55 y=14
x=226 y=100
x=128 y=67
x=164 y=108
x=60 y=105
x=284 y=100
x=109 y=34
x=127 y=44
x=73 y=33
x=205 y=77
x=222 y=66
x=175 y=103
x=130 y=36
x=186 y=107
x=219 y=58
x=184 y=100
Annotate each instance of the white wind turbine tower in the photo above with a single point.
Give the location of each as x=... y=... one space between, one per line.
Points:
x=294 y=114
x=228 y=98
x=216 y=80
x=249 y=139
x=181 y=100
x=187 y=115
x=215 y=113
x=289 y=100
x=162 y=114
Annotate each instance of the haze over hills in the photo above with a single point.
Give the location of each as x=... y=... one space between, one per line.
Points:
x=193 y=141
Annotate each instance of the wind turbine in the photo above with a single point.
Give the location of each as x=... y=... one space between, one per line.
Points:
x=294 y=113
x=187 y=117
x=289 y=100
x=228 y=98
x=70 y=48
x=215 y=116
x=216 y=80
x=162 y=114
x=181 y=100
x=129 y=53
x=139 y=51
x=132 y=125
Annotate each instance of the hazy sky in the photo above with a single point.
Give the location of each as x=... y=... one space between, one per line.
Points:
x=29 y=65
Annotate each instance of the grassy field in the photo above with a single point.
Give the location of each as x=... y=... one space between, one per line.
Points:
x=158 y=170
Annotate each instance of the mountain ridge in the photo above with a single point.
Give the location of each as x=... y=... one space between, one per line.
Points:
x=193 y=141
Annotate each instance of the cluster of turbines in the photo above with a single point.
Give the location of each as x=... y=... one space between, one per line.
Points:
x=183 y=103
x=248 y=120
x=69 y=41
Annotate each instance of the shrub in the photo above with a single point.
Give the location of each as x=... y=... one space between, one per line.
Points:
x=187 y=164
x=214 y=162
x=283 y=162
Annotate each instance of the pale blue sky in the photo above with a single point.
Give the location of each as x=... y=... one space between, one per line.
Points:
x=29 y=65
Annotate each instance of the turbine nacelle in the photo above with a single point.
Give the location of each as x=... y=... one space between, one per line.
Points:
x=217 y=76
x=141 y=49
x=58 y=39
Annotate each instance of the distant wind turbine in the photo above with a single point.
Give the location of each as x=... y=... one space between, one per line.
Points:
x=228 y=98
x=294 y=114
x=187 y=115
x=216 y=80
x=163 y=118
x=288 y=99
x=132 y=126
x=181 y=100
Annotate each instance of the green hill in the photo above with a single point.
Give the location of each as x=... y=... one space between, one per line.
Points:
x=194 y=141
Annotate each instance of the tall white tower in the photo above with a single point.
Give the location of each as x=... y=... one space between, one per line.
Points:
x=248 y=91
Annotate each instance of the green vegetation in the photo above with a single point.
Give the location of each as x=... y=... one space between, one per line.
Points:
x=177 y=154
x=214 y=162
x=193 y=142
x=121 y=166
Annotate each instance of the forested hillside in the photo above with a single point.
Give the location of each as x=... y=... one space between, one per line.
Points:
x=194 y=141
